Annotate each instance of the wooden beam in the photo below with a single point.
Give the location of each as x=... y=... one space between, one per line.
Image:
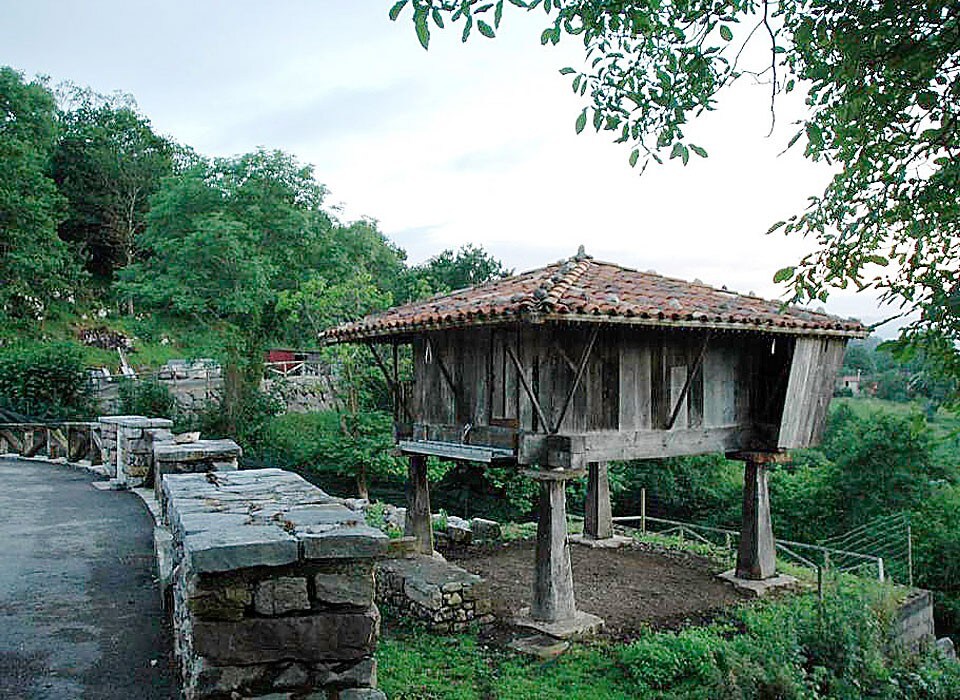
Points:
x=526 y=387
x=686 y=385
x=584 y=358
x=394 y=389
x=577 y=450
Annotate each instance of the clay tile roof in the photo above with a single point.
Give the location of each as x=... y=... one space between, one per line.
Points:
x=584 y=289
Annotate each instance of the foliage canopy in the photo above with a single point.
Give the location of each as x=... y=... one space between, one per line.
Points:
x=882 y=84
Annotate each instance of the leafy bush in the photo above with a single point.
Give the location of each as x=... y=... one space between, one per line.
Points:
x=328 y=442
x=248 y=424
x=45 y=381
x=147 y=398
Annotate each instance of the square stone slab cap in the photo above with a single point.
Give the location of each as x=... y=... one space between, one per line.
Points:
x=196 y=451
x=581 y=625
x=348 y=542
x=615 y=542
x=758 y=589
x=137 y=421
x=240 y=547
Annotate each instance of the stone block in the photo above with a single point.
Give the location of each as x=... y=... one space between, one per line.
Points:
x=227 y=600
x=351 y=542
x=293 y=676
x=281 y=595
x=353 y=586
x=362 y=673
x=238 y=548
x=484 y=529
x=362 y=694
x=223 y=680
x=348 y=635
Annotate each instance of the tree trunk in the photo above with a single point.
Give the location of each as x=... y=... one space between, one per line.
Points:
x=362 y=488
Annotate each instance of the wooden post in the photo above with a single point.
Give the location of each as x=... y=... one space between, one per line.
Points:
x=417 y=523
x=756 y=556
x=598 y=516
x=553 y=598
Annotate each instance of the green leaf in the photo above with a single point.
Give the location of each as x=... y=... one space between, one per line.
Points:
x=779 y=224
x=680 y=151
x=497 y=14
x=726 y=33
x=698 y=150
x=784 y=273
x=634 y=156
x=597 y=120
x=546 y=35
x=567 y=71
x=423 y=30
x=437 y=18
x=485 y=29
x=395 y=10
x=582 y=120
x=466 y=28
x=876 y=260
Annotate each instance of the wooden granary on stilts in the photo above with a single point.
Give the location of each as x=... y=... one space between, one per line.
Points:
x=562 y=369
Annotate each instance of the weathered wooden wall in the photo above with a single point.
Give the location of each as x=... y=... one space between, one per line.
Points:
x=644 y=392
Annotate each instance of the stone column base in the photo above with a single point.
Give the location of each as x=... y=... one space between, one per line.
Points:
x=613 y=542
x=582 y=624
x=758 y=587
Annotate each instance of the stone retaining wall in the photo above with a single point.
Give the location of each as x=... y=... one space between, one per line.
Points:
x=913 y=628
x=273 y=588
x=437 y=593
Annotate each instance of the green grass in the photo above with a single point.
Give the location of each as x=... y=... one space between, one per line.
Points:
x=790 y=647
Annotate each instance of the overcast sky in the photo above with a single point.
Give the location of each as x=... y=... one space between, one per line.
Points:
x=460 y=144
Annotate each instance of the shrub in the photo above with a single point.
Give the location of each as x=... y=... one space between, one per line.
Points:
x=45 y=381
x=147 y=398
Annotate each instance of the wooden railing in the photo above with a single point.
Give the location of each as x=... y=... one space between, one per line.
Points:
x=74 y=441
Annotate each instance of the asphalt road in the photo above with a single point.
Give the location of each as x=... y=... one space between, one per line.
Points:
x=80 y=612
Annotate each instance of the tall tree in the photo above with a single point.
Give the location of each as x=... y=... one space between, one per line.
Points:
x=108 y=164
x=468 y=266
x=35 y=265
x=883 y=106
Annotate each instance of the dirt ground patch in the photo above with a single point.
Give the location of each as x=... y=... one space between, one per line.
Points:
x=629 y=588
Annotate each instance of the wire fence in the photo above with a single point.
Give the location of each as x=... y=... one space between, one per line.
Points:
x=880 y=549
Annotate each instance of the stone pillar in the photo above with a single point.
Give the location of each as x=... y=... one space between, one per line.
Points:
x=756 y=557
x=418 y=523
x=598 y=515
x=553 y=578
x=553 y=609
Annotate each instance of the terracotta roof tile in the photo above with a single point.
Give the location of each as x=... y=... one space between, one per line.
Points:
x=583 y=289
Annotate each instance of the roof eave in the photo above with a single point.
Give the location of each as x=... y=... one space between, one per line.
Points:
x=374 y=334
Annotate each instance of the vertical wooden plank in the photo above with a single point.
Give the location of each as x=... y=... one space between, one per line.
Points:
x=610 y=383
x=659 y=387
x=800 y=397
x=629 y=353
x=678 y=377
x=481 y=359
x=695 y=393
x=511 y=387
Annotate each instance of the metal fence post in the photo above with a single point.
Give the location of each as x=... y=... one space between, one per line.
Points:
x=643 y=510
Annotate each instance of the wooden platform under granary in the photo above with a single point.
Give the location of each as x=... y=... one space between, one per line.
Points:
x=564 y=368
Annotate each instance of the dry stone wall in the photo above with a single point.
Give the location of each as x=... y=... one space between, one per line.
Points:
x=440 y=595
x=273 y=588
x=127 y=445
